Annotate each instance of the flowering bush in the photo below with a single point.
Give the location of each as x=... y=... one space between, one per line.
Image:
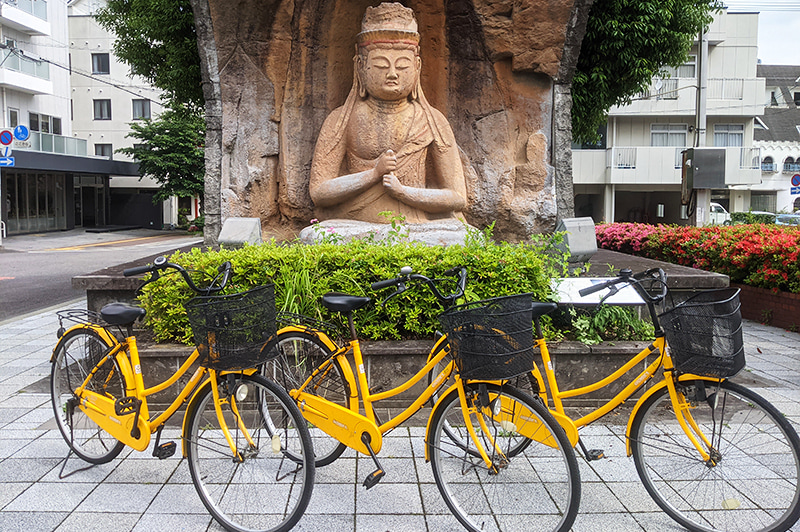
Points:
x=764 y=256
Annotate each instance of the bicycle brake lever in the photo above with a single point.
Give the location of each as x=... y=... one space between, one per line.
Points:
x=611 y=291
x=401 y=287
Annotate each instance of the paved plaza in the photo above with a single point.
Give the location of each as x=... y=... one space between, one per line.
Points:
x=137 y=492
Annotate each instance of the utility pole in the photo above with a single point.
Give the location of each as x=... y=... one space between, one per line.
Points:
x=703 y=199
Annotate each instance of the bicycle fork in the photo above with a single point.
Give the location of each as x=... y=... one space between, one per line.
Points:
x=683 y=413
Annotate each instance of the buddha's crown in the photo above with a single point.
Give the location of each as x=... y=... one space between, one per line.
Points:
x=390 y=22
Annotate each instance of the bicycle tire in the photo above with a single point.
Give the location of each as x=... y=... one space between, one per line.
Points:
x=264 y=490
x=755 y=484
x=538 y=489
x=521 y=382
x=292 y=358
x=75 y=356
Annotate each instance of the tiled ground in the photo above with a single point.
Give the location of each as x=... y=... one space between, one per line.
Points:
x=137 y=492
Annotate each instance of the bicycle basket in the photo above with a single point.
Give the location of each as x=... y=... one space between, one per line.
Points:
x=704 y=334
x=230 y=331
x=491 y=339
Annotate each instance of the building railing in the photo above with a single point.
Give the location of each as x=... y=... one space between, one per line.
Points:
x=37 y=8
x=725 y=88
x=14 y=60
x=49 y=143
x=661 y=89
x=621 y=157
x=769 y=167
x=750 y=158
x=791 y=167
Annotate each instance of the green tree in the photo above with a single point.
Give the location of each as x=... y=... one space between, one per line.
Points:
x=627 y=43
x=170 y=150
x=157 y=40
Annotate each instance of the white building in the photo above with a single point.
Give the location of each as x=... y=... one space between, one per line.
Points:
x=778 y=135
x=47 y=182
x=105 y=100
x=634 y=174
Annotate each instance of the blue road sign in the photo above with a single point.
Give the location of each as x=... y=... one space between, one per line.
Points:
x=6 y=137
x=21 y=132
x=6 y=161
x=795 y=190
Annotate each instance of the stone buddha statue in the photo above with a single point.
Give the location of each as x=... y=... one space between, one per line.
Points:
x=386 y=148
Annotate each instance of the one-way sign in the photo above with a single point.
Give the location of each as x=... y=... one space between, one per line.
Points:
x=6 y=161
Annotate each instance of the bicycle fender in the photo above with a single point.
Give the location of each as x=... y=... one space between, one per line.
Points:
x=451 y=389
x=103 y=333
x=307 y=330
x=190 y=408
x=647 y=394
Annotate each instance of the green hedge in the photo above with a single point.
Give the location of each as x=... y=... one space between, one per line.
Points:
x=752 y=218
x=302 y=273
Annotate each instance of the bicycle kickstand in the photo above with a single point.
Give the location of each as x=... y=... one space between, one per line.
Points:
x=376 y=476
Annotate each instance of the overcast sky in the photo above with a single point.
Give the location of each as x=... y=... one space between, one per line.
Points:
x=778 y=29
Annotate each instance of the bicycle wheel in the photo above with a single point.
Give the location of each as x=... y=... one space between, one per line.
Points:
x=753 y=484
x=538 y=489
x=76 y=354
x=293 y=357
x=521 y=382
x=262 y=489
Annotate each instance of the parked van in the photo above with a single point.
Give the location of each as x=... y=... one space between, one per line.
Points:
x=718 y=215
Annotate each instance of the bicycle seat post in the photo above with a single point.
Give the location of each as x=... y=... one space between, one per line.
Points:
x=352 y=326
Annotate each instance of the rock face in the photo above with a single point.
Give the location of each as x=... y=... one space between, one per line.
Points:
x=497 y=70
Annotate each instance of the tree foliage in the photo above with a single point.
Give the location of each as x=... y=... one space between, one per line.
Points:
x=170 y=150
x=627 y=43
x=157 y=39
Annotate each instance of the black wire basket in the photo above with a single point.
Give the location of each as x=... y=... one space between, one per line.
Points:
x=704 y=334
x=491 y=339
x=231 y=330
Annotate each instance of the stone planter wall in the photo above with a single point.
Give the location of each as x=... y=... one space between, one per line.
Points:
x=781 y=309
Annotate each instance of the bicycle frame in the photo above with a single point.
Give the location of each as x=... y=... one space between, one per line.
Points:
x=101 y=409
x=662 y=360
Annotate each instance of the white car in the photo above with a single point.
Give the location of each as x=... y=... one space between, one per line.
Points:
x=718 y=215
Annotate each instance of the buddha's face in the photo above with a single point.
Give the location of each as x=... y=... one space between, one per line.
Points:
x=389 y=74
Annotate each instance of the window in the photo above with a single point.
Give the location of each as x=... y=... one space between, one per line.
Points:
x=141 y=109
x=56 y=125
x=767 y=164
x=100 y=64
x=102 y=109
x=797 y=99
x=790 y=165
x=668 y=135
x=103 y=150
x=33 y=121
x=773 y=98
x=686 y=70
x=728 y=135
x=13 y=118
x=44 y=123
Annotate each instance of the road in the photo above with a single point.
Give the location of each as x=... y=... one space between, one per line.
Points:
x=36 y=270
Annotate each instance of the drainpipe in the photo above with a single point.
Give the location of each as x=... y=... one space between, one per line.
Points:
x=703 y=203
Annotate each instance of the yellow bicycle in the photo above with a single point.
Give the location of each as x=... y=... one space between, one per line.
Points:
x=499 y=458
x=714 y=455
x=248 y=448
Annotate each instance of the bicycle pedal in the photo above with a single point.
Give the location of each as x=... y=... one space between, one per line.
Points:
x=127 y=405
x=595 y=454
x=165 y=450
x=373 y=478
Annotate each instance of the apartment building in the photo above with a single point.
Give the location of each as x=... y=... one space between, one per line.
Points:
x=777 y=134
x=48 y=182
x=105 y=100
x=634 y=173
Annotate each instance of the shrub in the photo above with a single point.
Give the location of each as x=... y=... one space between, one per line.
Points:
x=752 y=218
x=303 y=273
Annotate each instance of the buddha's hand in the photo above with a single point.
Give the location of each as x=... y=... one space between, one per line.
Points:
x=392 y=185
x=387 y=163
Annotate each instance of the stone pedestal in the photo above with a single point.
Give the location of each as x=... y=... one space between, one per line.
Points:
x=439 y=233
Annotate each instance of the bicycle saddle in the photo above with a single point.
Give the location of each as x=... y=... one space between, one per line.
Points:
x=540 y=309
x=343 y=302
x=121 y=313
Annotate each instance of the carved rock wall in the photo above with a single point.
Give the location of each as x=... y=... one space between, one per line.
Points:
x=490 y=66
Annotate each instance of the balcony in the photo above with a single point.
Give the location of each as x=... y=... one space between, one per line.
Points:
x=677 y=96
x=49 y=143
x=789 y=168
x=27 y=16
x=646 y=165
x=769 y=167
x=24 y=74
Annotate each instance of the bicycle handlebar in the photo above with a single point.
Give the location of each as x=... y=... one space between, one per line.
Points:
x=407 y=275
x=635 y=280
x=160 y=264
